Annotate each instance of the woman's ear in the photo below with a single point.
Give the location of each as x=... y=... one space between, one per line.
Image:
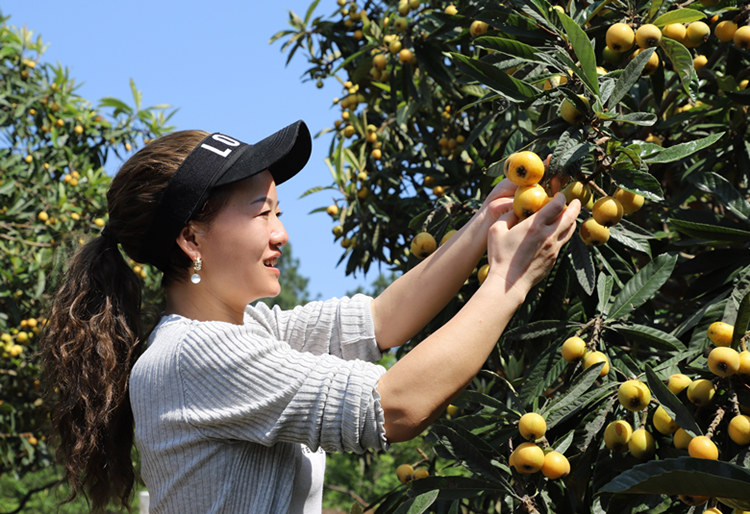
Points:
x=189 y=241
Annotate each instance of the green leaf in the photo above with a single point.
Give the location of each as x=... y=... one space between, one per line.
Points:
x=583 y=400
x=643 y=286
x=682 y=62
x=419 y=504
x=494 y=78
x=580 y=385
x=640 y=182
x=634 y=240
x=678 y=16
x=742 y=321
x=535 y=330
x=543 y=374
x=584 y=50
x=604 y=286
x=583 y=264
x=684 y=475
x=465 y=446
x=682 y=150
x=726 y=192
x=507 y=46
x=630 y=75
x=649 y=335
x=708 y=232
x=644 y=119
x=653 y=10
x=674 y=407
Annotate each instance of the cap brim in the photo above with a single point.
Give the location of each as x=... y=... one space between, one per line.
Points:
x=283 y=153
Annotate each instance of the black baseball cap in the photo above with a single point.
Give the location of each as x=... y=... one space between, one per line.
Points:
x=216 y=161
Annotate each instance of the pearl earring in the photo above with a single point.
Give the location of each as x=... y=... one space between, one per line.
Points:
x=195 y=278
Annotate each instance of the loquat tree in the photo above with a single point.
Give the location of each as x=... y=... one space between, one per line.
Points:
x=640 y=110
x=54 y=146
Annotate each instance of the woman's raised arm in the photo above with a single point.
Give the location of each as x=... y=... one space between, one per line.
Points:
x=419 y=386
x=416 y=297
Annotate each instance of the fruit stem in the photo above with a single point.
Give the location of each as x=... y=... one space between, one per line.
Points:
x=596 y=187
x=715 y=423
x=734 y=401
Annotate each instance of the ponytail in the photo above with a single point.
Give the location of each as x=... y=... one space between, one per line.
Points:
x=88 y=350
x=93 y=335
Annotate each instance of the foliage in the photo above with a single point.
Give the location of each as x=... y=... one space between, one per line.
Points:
x=53 y=149
x=432 y=106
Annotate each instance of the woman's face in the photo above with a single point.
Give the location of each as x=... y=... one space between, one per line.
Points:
x=242 y=244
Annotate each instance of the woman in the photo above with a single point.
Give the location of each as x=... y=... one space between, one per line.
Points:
x=232 y=403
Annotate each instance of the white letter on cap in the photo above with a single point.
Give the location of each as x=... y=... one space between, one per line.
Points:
x=221 y=138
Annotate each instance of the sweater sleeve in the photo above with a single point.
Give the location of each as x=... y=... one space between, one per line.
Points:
x=342 y=327
x=239 y=385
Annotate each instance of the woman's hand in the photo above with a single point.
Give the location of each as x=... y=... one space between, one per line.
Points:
x=521 y=253
x=499 y=200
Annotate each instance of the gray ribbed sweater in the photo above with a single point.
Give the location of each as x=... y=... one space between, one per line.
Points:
x=220 y=409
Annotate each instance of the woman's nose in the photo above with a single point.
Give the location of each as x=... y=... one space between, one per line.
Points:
x=279 y=237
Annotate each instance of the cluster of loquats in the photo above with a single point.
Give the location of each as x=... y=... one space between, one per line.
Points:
x=425 y=243
x=575 y=349
x=606 y=212
x=407 y=473
x=525 y=169
x=13 y=342
x=530 y=457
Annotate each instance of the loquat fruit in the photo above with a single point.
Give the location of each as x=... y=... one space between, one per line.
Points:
x=634 y=395
x=592 y=233
x=577 y=190
x=681 y=439
x=723 y=361
x=720 y=333
x=607 y=211
x=641 y=444
x=595 y=357
x=423 y=245
x=741 y=37
x=651 y=65
x=482 y=273
x=570 y=113
x=744 y=363
x=555 y=465
x=527 y=458
x=647 y=35
x=739 y=429
x=524 y=168
x=676 y=31
x=678 y=382
x=532 y=426
x=692 y=499
x=629 y=201
x=700 y=392
x=617 y=434
x=573 y=349
x=702 y=447
x=478 y=27
x=697 y=32
x=663 y=422
x=620 y=37
x=528 y=200
x=405 y=473
x=724 y=30
x=699 y=62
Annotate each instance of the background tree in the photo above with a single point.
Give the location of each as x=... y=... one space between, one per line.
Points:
x=53 y=149
x=438 y=100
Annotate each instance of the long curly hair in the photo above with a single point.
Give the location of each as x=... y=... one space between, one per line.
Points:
x=94 y=331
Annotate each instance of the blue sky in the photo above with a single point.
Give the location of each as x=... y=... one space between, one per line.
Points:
x=212 y=61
